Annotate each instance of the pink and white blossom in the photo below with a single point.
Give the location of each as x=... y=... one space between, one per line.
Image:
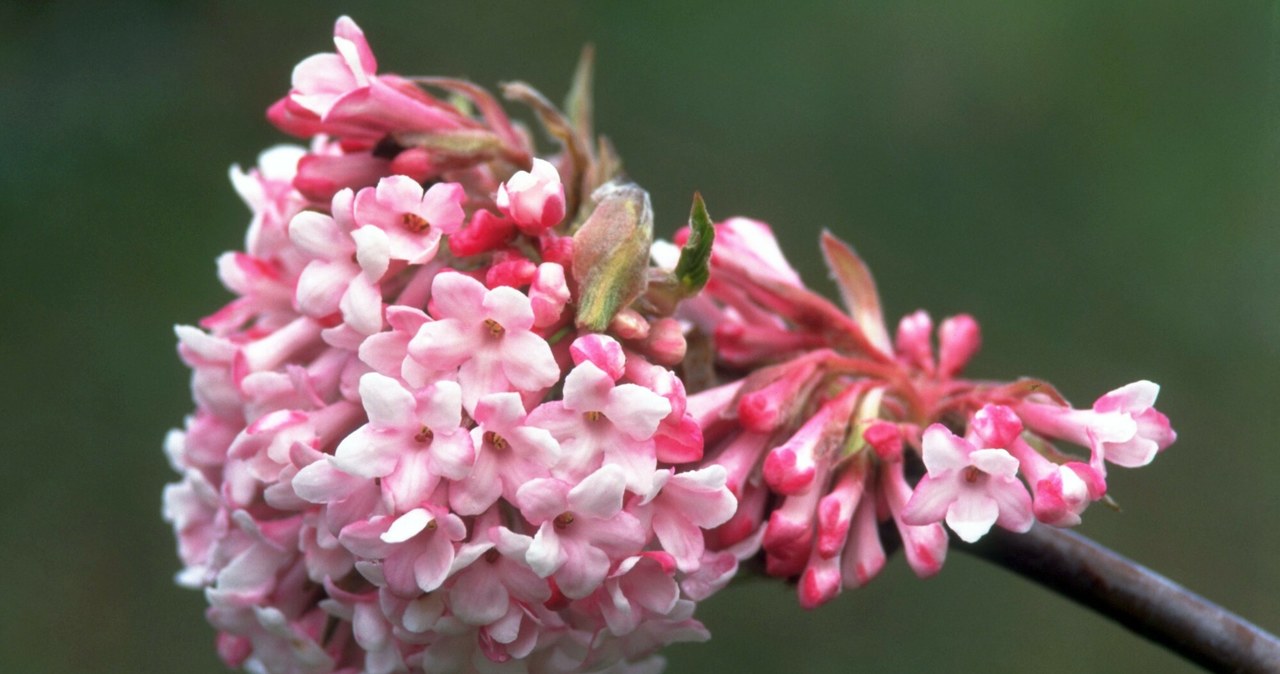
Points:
x=971 y=488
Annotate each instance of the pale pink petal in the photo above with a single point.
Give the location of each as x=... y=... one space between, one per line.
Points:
x=442 y=205
x=931 y=498
x=399 y=193
x=994 y=462
x=636 y=410
x=543 y=499
x=431 y=568
x=545 y=555
x=1014 y=502
x=444 y=344
x=385 y=401
x=527 y=361
x=456 y=295
x=587 y=388
x=322 y=285
x=319 y=235
x=600 y=493
x=681 y=538
x=442 y=406
x=1135 y=453
x=361 y=305
x=480 y=490
x=584 y=573
x=454 y=455
x=321 y=482
x=366 y=453
x=407 y=526
x=944 y=450
x=509 y=307
x=477 y=600
x=971 y=514
x=373 y=251
x=1135 y=397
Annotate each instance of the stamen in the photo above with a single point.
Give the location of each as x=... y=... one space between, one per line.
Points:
x=495 y=328
x=496 y=440
x=971 y=474
x=414 y=223
x=563 y=520
x=424 y=436
x=593 y=415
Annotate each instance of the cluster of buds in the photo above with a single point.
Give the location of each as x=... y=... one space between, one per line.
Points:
x=834 y=429
x=437 y=430
x=465 y=415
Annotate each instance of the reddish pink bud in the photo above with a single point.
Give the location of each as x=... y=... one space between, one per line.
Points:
x=415 y=163
x=666 y=344
x=959 y=337
x=925 y=546
x=321 y=176
x=533 y=198
x=820 y=582
x=629 y=324
x=863 y=556
x=788 y=471
x=835 y=510
x=886 y=439
x=486 y=232
x=513 y=273
x=602 y=351
x=772 y=406
x=996 y=425
x=548 y=294
x=914 y=340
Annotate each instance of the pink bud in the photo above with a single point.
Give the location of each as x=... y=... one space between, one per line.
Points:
x=886 y=439
x=485 y=233
x=820 y=582
x=602 y=351
x=533 y=198
x=416 y=163
x=996 y=425
x=666 y=344
x=548 y=294
x=914 y=340
x=629 y=324
x=959 y=338
x=513 y=272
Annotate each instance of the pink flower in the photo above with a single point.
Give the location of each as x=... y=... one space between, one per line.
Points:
x=972 y=488
x=410 y=442
x=320 y=80
x=600 y=422
x=487 y=335
x=345 y=268
x=412 y=220
x=581 y=527
x=416 y=549
x=533 y=198
x=509 y=453
x=681 y=505
x=1123 y=427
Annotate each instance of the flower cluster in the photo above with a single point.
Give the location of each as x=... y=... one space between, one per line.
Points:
x=836 y=429
x=427 y=434
x=464 y=415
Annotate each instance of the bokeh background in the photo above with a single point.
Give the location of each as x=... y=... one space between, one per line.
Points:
x=1095 y=181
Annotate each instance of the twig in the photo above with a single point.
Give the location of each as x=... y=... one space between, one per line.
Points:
x=1134 y=596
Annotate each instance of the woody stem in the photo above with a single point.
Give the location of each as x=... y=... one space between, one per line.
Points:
x=1134 y=596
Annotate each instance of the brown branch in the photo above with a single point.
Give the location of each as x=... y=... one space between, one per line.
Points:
x=1134 y=596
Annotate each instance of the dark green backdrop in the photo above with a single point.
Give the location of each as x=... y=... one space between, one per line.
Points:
x=1094 y=180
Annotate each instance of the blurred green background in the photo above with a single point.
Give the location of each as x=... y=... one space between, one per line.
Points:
x=1095 y=181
